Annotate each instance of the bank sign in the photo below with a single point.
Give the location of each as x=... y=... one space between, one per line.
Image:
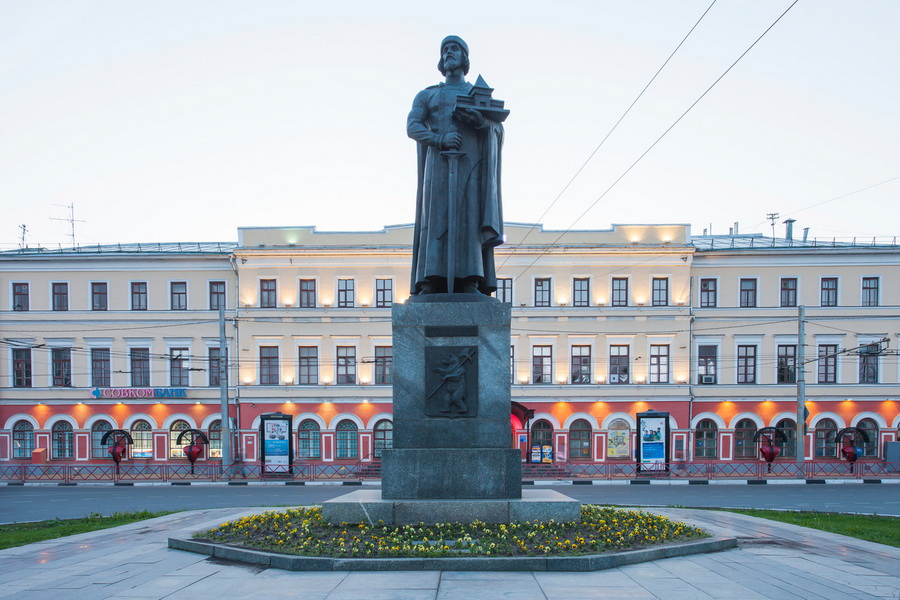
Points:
x=139 y=393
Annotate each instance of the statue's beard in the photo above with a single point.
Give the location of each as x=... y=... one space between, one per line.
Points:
x=452 y=64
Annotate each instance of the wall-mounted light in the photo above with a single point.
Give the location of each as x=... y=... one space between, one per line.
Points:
x=364 y=380
x=601 y=379
x=197 y=402
x=639 y=380
x=364 y=302
x=561 y=379
x=523 y=380
x=326 y=380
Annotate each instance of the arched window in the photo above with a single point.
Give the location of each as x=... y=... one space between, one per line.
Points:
x=744 y=431
x=705 y=439
x=826 y=446
x=542 y=433
x=63 y=438
x=215 y=439
x=580 y=440
x=142 y=435
x=23 y=439
x=176 y=450
x=98 y=430
x=347 y=439
x=308 y=445
x=788 y=447
x=618 y=442
x=871 y=428
x=384 y=437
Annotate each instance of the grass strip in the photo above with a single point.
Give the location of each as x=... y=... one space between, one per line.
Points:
x=20 y=534
x=872 y=528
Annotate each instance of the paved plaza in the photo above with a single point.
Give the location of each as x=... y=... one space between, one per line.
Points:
x=774 y=561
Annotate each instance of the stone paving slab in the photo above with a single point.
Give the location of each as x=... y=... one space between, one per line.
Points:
x=775 y=561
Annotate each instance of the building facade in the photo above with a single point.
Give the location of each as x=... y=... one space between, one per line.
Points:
x=606 y=325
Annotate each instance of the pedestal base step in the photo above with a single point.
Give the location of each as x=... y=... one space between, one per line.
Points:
x=368 y=506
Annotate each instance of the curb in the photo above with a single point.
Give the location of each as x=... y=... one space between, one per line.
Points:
x=593 y=562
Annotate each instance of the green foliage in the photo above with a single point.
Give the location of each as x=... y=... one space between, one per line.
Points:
x=873 y=528
x=19 y=534
x=302 y=531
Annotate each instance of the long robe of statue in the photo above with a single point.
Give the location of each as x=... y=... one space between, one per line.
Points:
x=478 y=217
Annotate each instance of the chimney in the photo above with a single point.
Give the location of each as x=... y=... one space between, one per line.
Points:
x=736 y=232
x=805 y=234
x=789 y=229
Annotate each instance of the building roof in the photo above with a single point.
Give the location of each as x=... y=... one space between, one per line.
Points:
x=757 y=241
x=139 y=248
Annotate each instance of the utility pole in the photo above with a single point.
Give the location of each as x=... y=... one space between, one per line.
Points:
x=772 y=217
x=223 y=390
x=801 y=384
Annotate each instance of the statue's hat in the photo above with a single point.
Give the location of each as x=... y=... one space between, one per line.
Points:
x=457 y=39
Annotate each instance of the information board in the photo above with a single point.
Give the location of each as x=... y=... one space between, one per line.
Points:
x=653 y=445
x=276 y=448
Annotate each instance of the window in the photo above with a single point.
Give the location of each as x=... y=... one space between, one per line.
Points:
x=346 y=365
x=99 y=295
x=826 y=445
x=789 y=291
x=659 y=363
x=706 y=364
x=619 y=291
x=870 y=291
x=62 y=440
x=61 y=296
x=139 y=295
x=21 y=367
x=100 y=367
x=307 y=293
x=23 y=439
x=542 y=292
x=347 y=440
x=140 y=367
x=787 y=364
x=142 y=436
x=746 y=364
x=20 y=296
x=618 y=364
x=744 y=446
x=384 y=364
x=581 y=364
x=580 y=440
x=309 y=365
x=788 y=447
x=868 y=363
x=618 y=442
x=178 y=367
x=542 y=364
x=178 y=295
x=346 y=293
x=267 y=290
x=98 y=430
x=268 y=365
x=215 y=439
x=705 y=439
x=216 y=365
x=870 y=448
x=384 y=437
x=384 y=293
x=829 y=291
x=309 y=440
x=827 y=369
x=660 y=295
x=504 y=290
x=748 y=293
x=176 y=450
x=708 y=293
x=581 y=291
x=62 y=367
x=542 y=433
x=216 y=295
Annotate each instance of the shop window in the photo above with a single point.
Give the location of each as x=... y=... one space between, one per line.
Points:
x=826 y=445
x=309 y=440
x=63 y=440
x=347 y=440
x=618 y=441
x=384 y=437
x=744 y=447
x=98 y=430
x=23 y=439
x=580 y=436
x=142 y=436
x=788 y=446
x=706 y=439
x=870 y=448
x=215 y=439
x=176 y=450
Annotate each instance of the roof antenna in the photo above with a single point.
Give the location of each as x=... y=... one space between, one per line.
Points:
x=22 y=243
x=71 y=220
x=772 y=217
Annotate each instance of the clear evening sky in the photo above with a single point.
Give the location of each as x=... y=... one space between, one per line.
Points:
x=184 y=120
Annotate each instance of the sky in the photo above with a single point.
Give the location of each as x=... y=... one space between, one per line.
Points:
x=181 y=120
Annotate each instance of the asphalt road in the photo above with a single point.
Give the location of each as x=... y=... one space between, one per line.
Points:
x=36 y=503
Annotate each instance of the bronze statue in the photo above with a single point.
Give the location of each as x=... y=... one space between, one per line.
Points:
x=459 y=218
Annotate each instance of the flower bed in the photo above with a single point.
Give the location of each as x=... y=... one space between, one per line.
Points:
x=303 y=532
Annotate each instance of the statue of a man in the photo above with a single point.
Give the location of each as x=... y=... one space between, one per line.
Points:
x=459 y=219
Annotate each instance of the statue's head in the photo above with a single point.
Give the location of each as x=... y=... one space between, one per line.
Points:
x=453 y=48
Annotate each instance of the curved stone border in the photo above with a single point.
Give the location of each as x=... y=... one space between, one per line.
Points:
x=592 y=562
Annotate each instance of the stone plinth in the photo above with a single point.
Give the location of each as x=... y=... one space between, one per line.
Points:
x=368 y=506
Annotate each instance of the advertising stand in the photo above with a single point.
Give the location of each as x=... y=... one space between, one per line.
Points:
x=653 y=443
x=276 y=450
